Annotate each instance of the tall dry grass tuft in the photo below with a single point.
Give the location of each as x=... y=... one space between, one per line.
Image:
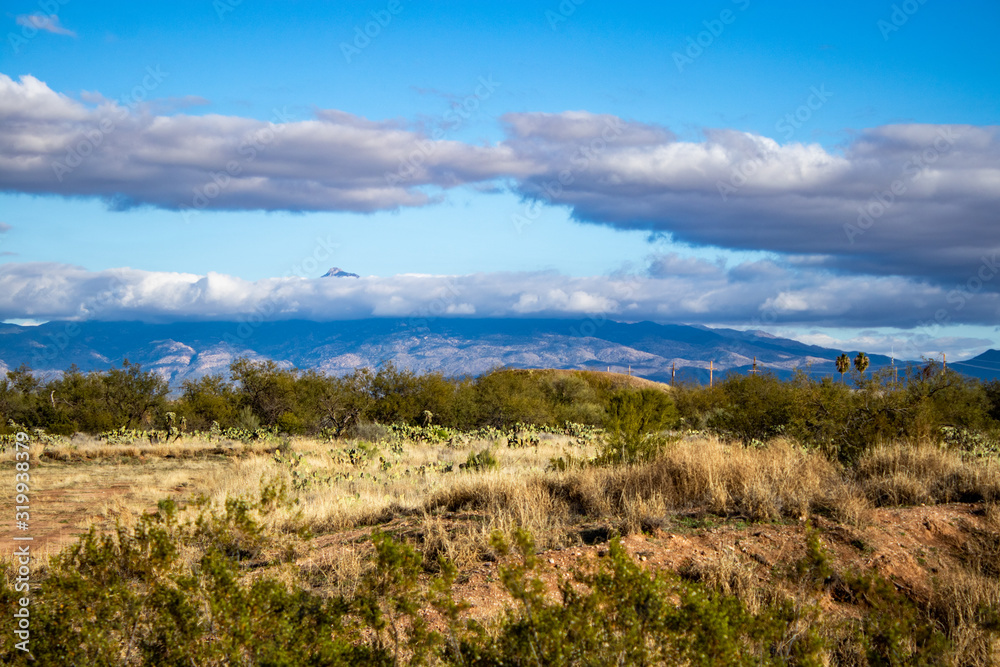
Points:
x=906 y=474
x=966 y=604
x=729 y=573
x=782 y=480
x=505 y=503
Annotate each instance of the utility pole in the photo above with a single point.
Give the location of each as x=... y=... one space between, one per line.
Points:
x=711 y=373
x=673 y=371
x=754 y=369
x=630 y=370
x=944 y=361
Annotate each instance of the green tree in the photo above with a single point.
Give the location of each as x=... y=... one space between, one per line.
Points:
x=757 y=408
x=843 y=365
x=992 y=391
x=505 y=397
x=861 y=362
x=265 y=387
x=207 y=399
x=131 y=394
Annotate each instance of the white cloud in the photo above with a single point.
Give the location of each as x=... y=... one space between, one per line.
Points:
x=790 y=297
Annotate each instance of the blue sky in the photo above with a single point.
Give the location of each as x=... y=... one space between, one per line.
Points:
x=820 y=102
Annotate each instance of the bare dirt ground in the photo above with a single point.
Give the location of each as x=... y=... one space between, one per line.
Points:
x=66 y=498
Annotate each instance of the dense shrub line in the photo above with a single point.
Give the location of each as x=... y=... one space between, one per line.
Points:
x=841 y=418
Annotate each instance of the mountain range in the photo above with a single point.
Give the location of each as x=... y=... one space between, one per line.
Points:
x=453 y=346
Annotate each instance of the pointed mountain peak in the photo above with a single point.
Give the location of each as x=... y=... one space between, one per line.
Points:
x=339 y=273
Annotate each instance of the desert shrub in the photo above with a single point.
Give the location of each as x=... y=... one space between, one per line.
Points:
x=573 y=400
x=893 y=629
x=820 y=413
x=247 y=419
x=264 y=387
x=942 y=398
x=991 y=390
x=697 y=403
x=481 y=461
x=205 y=400
x=633 y=425
x=621 y=614
x=173 y=592
x=504 y=398
x=131 y=394
x=756 y=408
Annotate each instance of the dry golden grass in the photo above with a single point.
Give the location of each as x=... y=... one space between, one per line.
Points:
x=730 y=573
x=87 y=448
x=781 y=481
x=904 y=474
x=705 y=475
x=959 y=600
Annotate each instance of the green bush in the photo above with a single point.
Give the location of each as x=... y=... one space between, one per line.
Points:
x=481 y=461
x=634 y=422
x=621 y=614
x=756 y=408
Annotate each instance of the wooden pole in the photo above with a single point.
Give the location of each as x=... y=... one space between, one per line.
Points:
x=754 y=369
x=944 y=361
x=673 y=371
x=711 y=373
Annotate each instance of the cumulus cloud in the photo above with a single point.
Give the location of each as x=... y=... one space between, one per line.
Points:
x=913 y=200
x=125 y=152
x=46 y=22
x=743 y=295
x=916 y=200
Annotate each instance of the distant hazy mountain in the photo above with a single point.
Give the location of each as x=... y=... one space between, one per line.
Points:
x=183 y=350
x=986 y=366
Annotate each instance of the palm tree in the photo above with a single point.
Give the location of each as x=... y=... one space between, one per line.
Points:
x=861 y=362
x=843 y=365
